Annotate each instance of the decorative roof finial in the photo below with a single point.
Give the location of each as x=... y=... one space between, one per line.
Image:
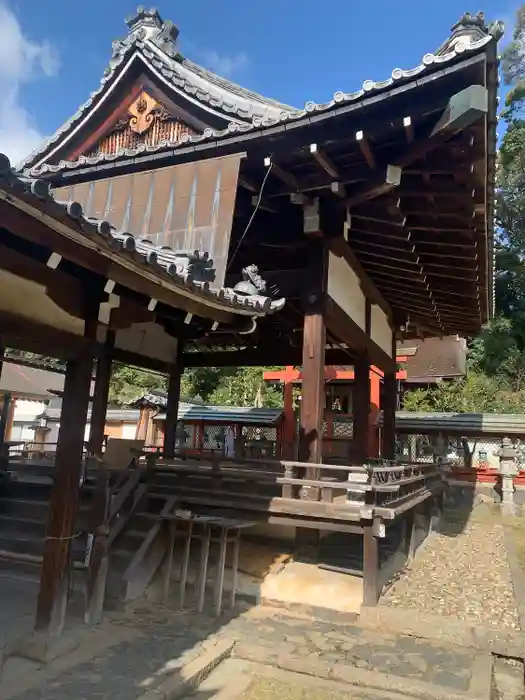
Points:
x=468 y=29
x=148 y=24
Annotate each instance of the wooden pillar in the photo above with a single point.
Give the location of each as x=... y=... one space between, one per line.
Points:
x=314 y=343
x=54 y=578
x=100 y=398
x=312 y=389
x=361 y=408
x=288 y=434
x=7 y=400
x=172 y=408
x=375 y=402
x=388 y=435
x=370 y=566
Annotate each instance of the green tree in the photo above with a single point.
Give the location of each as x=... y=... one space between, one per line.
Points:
x=129 y=383
x=246 y=387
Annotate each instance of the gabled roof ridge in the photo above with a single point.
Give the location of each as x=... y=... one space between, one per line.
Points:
x=236 y=102
x=429 y=63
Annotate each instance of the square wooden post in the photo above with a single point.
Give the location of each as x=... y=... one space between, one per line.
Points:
x=54 y=578
x=101 y=397
x=388 y=434
x=361 y=408
x=172 y=407
x=314 y=343
x=391 y=400
x=313 y=386
x=370 y=566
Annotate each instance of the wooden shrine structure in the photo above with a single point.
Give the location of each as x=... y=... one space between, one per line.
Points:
x=420 y=363
x=165 y=224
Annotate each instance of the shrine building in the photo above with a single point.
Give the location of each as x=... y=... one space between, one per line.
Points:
x=178 y=220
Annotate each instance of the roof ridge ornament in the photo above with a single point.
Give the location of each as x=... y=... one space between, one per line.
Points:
x=148 y=24
x=468 y=29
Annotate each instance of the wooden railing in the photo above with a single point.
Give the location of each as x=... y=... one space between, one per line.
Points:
x=331 y=491
x=113 y=506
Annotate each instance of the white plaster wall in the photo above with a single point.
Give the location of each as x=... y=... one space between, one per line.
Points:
x=128 y=431
x=380 y=330
x=148 y=339
x=29 y=300
x=344 y=288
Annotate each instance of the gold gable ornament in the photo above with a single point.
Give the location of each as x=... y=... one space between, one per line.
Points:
x=143 y=112
x=146 y=122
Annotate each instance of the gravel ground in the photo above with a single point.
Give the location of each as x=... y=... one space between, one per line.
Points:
x=462 y=573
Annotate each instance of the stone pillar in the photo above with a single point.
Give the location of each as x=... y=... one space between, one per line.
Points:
x=508 y=468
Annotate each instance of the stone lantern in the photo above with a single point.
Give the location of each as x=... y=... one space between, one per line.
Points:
x=508 y=468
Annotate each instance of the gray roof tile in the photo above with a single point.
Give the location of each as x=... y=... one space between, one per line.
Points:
x=249 y=111
x=189 y=270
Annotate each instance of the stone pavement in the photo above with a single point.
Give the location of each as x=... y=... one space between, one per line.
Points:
x=17 y=606
x=151 y=643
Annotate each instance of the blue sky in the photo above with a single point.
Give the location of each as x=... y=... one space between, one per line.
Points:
x=53 y=52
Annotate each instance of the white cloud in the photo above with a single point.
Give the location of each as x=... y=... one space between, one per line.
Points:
x=225 y=66
x=21 y=60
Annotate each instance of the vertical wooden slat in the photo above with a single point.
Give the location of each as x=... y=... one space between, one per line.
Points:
x=185 y=565
x=235 y=566
x=203 y=570
x=172 y=527
x=219 y=580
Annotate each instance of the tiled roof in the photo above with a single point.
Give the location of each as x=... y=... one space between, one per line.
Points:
x=191 y=271
x=435 y=358
x=155 y=40
x=470 y=35
x=29 y=382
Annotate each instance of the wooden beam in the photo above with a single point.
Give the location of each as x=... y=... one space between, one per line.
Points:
x=324 y=161
x=464 y=108
x=365 y=148
x=347 y=331
x=260 y=357
x=409 y=129
x=282 y=174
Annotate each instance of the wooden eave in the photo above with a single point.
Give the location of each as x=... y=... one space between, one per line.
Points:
x=30 y=213
x=445 y=198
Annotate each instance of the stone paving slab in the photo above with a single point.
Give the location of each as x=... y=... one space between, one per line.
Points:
x=142 y=650
x=281 y=641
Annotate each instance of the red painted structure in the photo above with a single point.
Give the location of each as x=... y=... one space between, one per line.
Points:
x=290 y=376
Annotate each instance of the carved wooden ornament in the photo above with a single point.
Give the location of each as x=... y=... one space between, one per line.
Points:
x=142 y=113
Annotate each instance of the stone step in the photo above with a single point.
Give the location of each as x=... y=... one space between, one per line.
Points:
x=24 y=507
x=34 y=546
x=13 y=525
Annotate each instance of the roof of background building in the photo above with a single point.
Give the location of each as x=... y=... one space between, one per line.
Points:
x=29 y=382
x=434 y=359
